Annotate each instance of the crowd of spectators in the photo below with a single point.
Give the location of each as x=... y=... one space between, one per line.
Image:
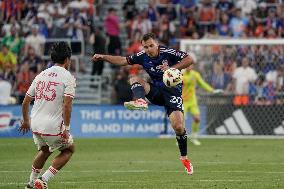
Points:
x=26 y=26
x=171 y=19
x=252 y=73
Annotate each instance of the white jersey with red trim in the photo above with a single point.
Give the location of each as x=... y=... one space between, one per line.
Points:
x=49 y=89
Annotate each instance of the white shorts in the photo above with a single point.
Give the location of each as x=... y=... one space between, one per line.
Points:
x=53 y=142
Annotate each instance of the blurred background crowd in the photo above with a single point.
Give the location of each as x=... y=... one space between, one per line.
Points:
x=255 y=74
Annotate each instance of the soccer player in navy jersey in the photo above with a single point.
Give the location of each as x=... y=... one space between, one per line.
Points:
x=155 y=59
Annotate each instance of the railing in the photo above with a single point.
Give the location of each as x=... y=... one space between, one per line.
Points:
x=74 y=59
x=77 y=46
x=88 y=90
x=228 y=99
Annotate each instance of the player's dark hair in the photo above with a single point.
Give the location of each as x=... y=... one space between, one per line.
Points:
x=148 y=36
x=59 y=52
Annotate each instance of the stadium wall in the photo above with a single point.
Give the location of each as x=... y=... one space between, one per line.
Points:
x=115 y=121
x=97 y=121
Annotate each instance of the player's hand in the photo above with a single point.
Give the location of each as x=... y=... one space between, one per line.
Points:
x=218 y=91
x=164 y=67
x=97 y=57
x=25 y=127
x=65 y=136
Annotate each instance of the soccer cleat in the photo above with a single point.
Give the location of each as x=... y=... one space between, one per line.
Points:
x=139 y=104
x=29 y=186
x=196 y=142
x=187 y=165
x=40 y=184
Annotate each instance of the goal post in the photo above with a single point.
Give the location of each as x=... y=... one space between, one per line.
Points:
x=259 y=112
x=185 y=43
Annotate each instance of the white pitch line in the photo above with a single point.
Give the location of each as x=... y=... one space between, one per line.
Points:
x=265 y=172
x=238 y=163
x=140 y=181
x=196 y=163
x=201 y=180
x=173 y=161
x=12 y=183
x=150 y=171
x=16 y=171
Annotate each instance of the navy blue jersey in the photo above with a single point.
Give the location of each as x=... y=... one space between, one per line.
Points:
x=152 y=66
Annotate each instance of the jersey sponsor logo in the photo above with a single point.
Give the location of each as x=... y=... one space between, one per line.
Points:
x=236 y=124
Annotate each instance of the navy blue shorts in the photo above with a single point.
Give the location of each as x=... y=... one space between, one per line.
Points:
x=170 y=98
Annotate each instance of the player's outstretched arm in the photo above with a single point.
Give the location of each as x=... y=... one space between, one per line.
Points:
x=206 y=86
x=116 y=60
x=203 y=84
x=25 y=124
x=184 y=63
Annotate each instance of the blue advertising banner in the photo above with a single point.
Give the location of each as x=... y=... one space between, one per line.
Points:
x=10 y=119
x=101 y=121
x=188 y=122
x=116 y=121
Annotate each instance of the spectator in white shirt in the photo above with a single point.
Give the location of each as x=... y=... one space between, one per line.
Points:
x=247 y=6
x=35 y=40
x=5 y=91
x=242 y=76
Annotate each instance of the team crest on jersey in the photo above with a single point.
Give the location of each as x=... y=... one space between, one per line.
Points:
x=164 y=63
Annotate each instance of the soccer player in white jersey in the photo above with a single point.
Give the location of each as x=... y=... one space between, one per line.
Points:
x=53 y=91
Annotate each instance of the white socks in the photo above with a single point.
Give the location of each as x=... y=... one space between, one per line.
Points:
x=49 y=173
x=34 y=174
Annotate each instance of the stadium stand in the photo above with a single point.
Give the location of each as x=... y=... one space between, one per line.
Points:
x=39 y=23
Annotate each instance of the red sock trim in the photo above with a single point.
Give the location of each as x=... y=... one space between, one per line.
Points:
x=35 y=170
x=52 y=170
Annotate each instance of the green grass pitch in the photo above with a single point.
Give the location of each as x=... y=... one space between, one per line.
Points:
x=152 y=163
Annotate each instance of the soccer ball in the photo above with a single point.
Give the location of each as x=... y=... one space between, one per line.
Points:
x=172 y=77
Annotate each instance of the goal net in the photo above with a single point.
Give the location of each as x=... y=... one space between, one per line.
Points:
x=252 y=102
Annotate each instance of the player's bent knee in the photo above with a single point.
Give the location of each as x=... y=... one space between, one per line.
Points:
x=179 y=129
x=70 y=149
x=45 y=150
